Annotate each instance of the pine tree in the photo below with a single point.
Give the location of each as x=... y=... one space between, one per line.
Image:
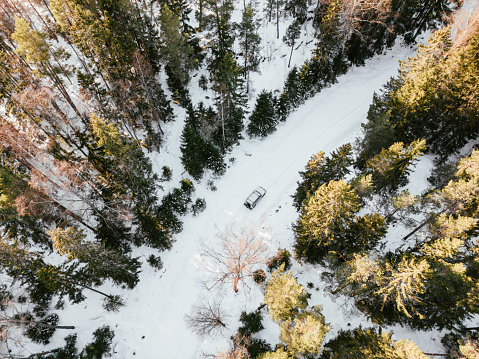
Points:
x=176 y=52
x=432 y=97
x=329 y=48
x=320 y=170
x=293 y=32
x=128 y=174
x=369 y=343
x=304 y=334
x=390 y=168
x=249 y=43
x=278 y=354
x=262 y=121
x=405 y=283
x=298 y=9
x=230 y=101
x=377 y=133
x=284 y=296
x=198 y=151
x=100 y=262
x=328 y=225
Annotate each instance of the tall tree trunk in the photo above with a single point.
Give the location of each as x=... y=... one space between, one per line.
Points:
x=277 y=19
x=291 y=55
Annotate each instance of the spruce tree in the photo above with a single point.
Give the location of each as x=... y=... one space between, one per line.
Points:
x=369 y=343
x=328 y=225
x=262 y=121
x=284 y=296
x=320 y=170
x=100 y=262
x=391 y=167
x=293 y=32
x=304 y=334
x=175 y=50
x=249 y=42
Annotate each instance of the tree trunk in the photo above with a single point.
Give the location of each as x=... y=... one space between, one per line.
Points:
x=235 y=284
x=291 y=55
x=277 y=19
x=429 y=218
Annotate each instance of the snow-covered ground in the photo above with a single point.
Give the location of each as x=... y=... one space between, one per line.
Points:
x=152 y=323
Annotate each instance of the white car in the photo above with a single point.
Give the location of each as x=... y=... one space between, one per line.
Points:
x=254 y=197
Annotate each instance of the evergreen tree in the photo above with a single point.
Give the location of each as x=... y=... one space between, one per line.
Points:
x=100 y=262
x=127 y=174
x=377 y=133
x=230 y=101
x=431 y=283
x=274 y=11
x=249 y=42
x=116 y=38
x=284 y=296
x=262 y=121
x=328 y=224
x=369 y=343
x=198 y=151
x=390 y=168
x=329 y=48
x=432 y=97
x=320 y=170
x=298 y=9
x=175 y=50
x=304 y=334
x=293 y=32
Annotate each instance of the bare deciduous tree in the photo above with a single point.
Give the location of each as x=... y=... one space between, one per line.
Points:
x=466 y=23
x=208 y=317
x=239 y=251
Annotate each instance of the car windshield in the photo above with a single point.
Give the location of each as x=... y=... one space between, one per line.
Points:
x=253 y=196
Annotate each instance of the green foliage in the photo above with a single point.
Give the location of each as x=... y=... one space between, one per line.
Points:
x=42 y=330
x=251 y=323
x=112 y=303
x=127 y=173
x=166 y=173
x=320 y=170
x=378 y=133
x=69 y=351
x=391 y=167
x=433 y=97
x=298 y=9
x=278 y=354
x=249 y=41
x=155 y=262
x=262 y=121
x=282 y=258
x=284 y=296
x=199 y=153
x=100 y=346
x=328 y=224
x=179 y=199
x=369 y=343
x=199 y=206
x=293 y=32
x=100 y=263
x=305 y=333
x=30 y=43
x=175 y=50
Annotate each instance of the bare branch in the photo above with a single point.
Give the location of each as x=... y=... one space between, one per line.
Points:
x=235 y=256
x=207 y=318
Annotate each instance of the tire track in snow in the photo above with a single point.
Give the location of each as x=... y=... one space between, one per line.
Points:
x=311 y=144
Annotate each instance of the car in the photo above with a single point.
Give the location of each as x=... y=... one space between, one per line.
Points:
x=254 y=197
